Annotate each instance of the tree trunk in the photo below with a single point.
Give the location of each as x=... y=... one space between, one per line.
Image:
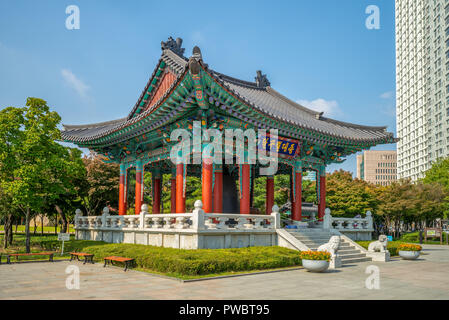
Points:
x=8 y=224
x=35 y=224
x=10 y=231
x=63 y=218
x=42 y=224
x=17 y=224
x=27 y=230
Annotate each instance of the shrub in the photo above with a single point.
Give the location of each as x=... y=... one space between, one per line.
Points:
x=315 y=255
x=409 y=247
x=191 y=262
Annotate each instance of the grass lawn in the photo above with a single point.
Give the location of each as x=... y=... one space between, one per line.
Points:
x=179 y=263
x=21 y=229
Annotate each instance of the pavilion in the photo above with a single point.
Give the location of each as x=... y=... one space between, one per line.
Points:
x=182 y=90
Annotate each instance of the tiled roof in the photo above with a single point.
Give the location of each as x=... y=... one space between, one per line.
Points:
x=274 y=104
x=258 y=95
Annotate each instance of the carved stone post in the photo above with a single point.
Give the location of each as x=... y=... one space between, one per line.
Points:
x=198 y=216
x=369 y=219
x=104 y=216
x=143 y=213
x=327 y=219
x=277 y=217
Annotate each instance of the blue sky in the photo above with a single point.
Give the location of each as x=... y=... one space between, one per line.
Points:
x=318 y=53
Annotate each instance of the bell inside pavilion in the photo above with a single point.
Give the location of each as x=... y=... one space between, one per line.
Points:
x=183 y=91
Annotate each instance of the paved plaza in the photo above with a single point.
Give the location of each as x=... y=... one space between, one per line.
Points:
x=426 y=278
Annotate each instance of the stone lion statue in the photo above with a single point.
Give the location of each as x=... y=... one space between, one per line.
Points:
x=332 y=246
x=379 y=245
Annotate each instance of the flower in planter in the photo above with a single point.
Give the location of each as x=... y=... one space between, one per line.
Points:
x=315 y=255
x=409 y=247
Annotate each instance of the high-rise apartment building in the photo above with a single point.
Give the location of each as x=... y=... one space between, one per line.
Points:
x=422 y=84
x=378 y=167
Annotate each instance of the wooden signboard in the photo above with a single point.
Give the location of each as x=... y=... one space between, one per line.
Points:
x=433 y=233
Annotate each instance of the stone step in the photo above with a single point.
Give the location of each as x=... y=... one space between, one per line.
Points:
x=352 y=256
x=347 y=251
x=355 y=260
x=313 y=239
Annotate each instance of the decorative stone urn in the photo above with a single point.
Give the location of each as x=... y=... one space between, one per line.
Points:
x=409 y=255
x=315 y=265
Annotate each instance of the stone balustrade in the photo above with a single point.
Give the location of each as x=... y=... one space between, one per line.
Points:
x=355 y=228
x=186 y=230
x=177 y=222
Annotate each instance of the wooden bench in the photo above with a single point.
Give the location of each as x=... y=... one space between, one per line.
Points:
x=17 y=255
x=127 y=261
x=88 y=257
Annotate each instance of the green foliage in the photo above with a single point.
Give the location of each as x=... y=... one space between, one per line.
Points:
x=100 y=185
x=439 y=173
x=346 y=196
x=407 y=201
x=35 y=170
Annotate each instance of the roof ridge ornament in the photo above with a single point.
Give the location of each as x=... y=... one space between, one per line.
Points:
x=262 y=80
x=194 y=60
x=175 y=46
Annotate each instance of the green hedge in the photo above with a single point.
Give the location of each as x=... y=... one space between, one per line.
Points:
x=413 y=237
x=188 y=262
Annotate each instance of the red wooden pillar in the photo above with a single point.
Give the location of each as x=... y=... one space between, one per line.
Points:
x=206 y=184
x=244 y=190
x=218 y=190
x=180 y=199
x=126 y=191
x=269 y=201
x=121 y=201
x=157 y=184
x=322 y=203
x=297 y=203
x=173 y=192
x=139 y=183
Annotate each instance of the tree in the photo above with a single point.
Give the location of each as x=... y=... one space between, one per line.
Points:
x=31 y=153
x=439 y=173
x=346 y=196
x=407 y=202
x=101 y=185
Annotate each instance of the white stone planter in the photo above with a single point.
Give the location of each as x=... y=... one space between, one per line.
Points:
x=315 y=265
x=409 y=255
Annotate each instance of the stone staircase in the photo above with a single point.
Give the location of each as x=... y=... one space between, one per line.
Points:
x=315 y=237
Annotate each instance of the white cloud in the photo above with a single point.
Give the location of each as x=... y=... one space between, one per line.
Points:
x=329 y=107
x=387 y=95
x=78 y=85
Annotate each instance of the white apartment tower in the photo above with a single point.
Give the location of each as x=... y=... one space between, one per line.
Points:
x=422 y=84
